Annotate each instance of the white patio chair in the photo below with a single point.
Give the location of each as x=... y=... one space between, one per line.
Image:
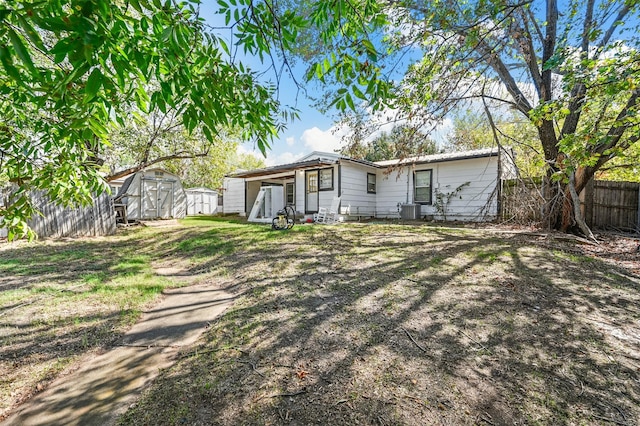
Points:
x=331 y=215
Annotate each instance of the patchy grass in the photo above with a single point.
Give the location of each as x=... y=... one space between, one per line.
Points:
x=61 y=300
x=348 y=324
x=386 y=324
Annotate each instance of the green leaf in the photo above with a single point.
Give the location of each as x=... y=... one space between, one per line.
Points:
x=22 y=51
x=7 y=63
x=349 y=101
x=31 y=33
x=94 y=82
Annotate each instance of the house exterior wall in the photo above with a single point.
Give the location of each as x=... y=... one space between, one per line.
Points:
x=325 y=197
x=234 y=196
x=475 y=201
x=300 y=185
x=394 y=186
x=356 y=201
x=474 y=173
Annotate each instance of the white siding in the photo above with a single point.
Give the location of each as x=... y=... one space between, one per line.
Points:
x=475 y=201
x=392 y=190
x=201 y=201
x=233 y=197
x=355 y=197
x=300 y=184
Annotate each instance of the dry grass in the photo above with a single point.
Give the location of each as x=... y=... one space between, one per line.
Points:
x=388 y=324
x=349 y=324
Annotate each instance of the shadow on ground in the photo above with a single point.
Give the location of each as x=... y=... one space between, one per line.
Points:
x=403 y=325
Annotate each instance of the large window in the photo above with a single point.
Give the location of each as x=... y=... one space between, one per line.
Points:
x=371 y=183
x=326 y=179
x=422 y=186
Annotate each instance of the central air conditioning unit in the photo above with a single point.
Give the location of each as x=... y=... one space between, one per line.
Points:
x=410 y=211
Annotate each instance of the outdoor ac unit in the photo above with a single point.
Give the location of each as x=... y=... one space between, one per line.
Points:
x=410 y=211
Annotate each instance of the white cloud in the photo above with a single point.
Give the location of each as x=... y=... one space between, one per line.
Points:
x=284 y=158
x=290 y=141
x=323 y=140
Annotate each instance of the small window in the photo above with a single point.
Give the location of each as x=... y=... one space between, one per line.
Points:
x=290 y=194
x=422 y=186
x=326 y=179
x=371 y=183
x=312 y=182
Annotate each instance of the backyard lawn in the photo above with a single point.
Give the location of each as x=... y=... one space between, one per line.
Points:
x=379 y=324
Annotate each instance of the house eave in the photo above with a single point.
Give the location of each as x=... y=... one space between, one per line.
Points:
x=284 y=168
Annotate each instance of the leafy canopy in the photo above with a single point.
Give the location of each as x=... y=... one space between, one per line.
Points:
x=73 y=70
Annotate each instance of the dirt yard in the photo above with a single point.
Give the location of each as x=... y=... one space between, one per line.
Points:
x=416 y=325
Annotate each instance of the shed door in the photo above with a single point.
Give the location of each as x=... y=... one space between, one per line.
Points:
x=149 y=199
x=157 y=199
x=165 y=200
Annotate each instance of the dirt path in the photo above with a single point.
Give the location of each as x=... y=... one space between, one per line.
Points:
x=104 y=386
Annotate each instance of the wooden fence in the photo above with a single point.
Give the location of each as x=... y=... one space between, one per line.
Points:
x=605 y=204
x=614 y=205
x=56 y=221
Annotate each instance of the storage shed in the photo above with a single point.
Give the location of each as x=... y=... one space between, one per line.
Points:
x=152 y=194
x=201 y=201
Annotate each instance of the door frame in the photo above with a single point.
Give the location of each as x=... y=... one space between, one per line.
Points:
x=306 y=191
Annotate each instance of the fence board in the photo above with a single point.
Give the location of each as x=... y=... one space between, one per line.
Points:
x=57 y=221
x=613 y=205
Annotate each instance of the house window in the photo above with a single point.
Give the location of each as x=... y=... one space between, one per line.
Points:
x=312 y=182
x=371 y=183
x=290 y=193
x=326 y=179
x=422 y=186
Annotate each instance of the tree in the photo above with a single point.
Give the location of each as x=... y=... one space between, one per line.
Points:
x=159 y=139
x=402 y=141
x=72 y=70
x=573 y=75
x=472 y=130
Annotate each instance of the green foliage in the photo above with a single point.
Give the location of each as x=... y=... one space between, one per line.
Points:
x=471 y=130
x=401 y=142
x=623 y=167
x=73 y=70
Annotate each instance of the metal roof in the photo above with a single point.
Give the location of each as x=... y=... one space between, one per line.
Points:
x=283 y=168
x=331 y=159
x=439 y=158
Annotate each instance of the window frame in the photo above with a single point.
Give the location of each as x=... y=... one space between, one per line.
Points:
x=375 y=183
x=291 y=185
x=320 y=173
x=415 y=187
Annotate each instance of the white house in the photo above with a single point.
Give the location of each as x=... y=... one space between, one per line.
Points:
x=453 y=186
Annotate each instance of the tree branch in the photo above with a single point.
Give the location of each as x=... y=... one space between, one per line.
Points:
x=177 y=156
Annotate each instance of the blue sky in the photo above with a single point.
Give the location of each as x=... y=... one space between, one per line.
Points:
x=313 y=131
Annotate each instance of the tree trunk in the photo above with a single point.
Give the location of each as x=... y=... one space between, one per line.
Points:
x=560 y=212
